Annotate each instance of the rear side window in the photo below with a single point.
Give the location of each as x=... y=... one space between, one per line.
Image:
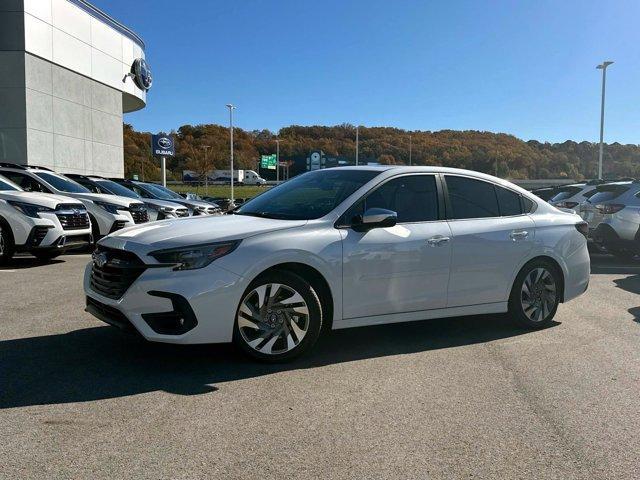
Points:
x=509 y=202
x=564 y=193
x=590 y=193
x=471 y=198
x=26 y=182
x=606 y=193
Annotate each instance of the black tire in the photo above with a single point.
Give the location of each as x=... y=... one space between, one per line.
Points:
x=541 y=307
x=312 y=321
x=7 y=246
x=45 y=255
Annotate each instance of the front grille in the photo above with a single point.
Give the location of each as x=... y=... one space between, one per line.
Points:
x=74 y=221
x=139 y=215
x=114 y=271
x=182 y=212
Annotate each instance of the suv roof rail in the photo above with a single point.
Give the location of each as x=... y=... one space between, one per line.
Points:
x=13 y=165
x=40 y=168
x=595 y=181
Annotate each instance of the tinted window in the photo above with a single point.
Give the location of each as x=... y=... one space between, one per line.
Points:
x=116 y=189
x=61 y=183
x=471 y=198
x=414 y=198
x=590 y=193
x=5 y=185
x=564 y=193
x=528 y=205
x=90 y=185
x=605 y=193
x=508 y=202
x=26 y=182
x=308 y=196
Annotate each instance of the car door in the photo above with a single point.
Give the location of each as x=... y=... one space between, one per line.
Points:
x=403 y=268
x=491 y=236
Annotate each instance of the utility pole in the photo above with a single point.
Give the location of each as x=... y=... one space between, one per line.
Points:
x=603 y=66
x=357 y=141
x=277 y=161
x=231 y=108
x=206 y=166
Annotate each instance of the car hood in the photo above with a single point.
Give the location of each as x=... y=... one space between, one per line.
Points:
x=193 y=231
x=40 y=199
x=162 y=203
x=113 y=199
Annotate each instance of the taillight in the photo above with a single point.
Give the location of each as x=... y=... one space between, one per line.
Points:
x=569 y=205
x=583 y=228
x=609 y=208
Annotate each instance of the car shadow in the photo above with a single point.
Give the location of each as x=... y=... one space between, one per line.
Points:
x=101 y=362
x=635 y=311
x=630 y=284
x=23 y=262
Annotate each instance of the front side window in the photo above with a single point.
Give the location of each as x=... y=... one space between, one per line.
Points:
x=114 y=188
x=61 y=183
x=414 y=198
x=26 y=182
x=471 y=198
x=308 y=196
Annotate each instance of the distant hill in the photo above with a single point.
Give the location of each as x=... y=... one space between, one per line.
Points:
x=481 y=151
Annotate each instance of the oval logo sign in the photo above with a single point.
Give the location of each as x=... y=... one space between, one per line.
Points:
x=142 y=74
x=165 y=143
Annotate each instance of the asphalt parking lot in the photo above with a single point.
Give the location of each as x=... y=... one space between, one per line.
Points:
x=471 y=397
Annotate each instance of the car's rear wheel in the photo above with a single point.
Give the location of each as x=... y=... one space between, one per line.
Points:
x=279 y=317
x=535 y=294
x=6 y=244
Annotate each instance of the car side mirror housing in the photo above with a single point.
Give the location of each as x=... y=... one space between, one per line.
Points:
x=375 y=218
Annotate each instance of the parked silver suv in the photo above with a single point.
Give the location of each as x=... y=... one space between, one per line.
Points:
x=613 y=215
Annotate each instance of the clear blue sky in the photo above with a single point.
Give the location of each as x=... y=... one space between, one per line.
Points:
x=520 y=67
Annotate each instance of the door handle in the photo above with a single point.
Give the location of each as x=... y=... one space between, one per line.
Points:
x=518 y=235
x=438 y=240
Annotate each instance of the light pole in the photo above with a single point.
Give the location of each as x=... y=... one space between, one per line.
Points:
x=231 y=108
x=357 y=142
x=603 y=66
x=277 y=161
x=409 y=149
x=206 y=166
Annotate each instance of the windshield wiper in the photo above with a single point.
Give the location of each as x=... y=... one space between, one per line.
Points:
x=272 y=215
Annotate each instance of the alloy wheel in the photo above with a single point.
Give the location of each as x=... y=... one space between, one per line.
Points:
x=273 y=318
x=538 y=294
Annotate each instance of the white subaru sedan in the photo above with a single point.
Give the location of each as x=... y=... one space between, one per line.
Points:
x=338 y=248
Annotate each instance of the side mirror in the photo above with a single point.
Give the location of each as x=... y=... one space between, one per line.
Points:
x=375 y=218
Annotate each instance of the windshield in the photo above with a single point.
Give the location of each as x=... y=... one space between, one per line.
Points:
x=564 y=193
x=170 y=192
x=116 y=189
x=157 y=192
x=7 y=185
x=61 y=183
x=307 y=196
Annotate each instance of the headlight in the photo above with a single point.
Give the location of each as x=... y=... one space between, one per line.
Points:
x=166 y=209
x=201 y=208
x=109 y=207
x=29 y=209
x=194 y=257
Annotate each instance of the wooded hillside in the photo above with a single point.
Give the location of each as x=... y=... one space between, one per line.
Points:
x=476 y=150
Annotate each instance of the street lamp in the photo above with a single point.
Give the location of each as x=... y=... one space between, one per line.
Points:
x=603 y=66
x=409 y=149
x=231 y=109
x=206 y=166
x=357 y=143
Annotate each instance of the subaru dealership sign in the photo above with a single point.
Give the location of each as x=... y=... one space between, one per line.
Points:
x=162 y=145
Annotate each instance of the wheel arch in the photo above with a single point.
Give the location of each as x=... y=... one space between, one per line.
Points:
x=4 y=223
x=316 y=279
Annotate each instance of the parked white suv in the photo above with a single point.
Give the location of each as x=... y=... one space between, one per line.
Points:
x=572 y=196
x=344 y=247
x=157 y=209
x=613 y=214
x=108 y=213
x=43 y=225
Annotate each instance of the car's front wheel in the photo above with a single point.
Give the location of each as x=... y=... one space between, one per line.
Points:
x=535 y=294
x=279 y=317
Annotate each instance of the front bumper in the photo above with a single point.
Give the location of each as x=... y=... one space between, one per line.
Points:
x=196 y=306
x=47 y=233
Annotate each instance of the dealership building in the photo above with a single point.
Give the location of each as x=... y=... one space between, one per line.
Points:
x=68 y=73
